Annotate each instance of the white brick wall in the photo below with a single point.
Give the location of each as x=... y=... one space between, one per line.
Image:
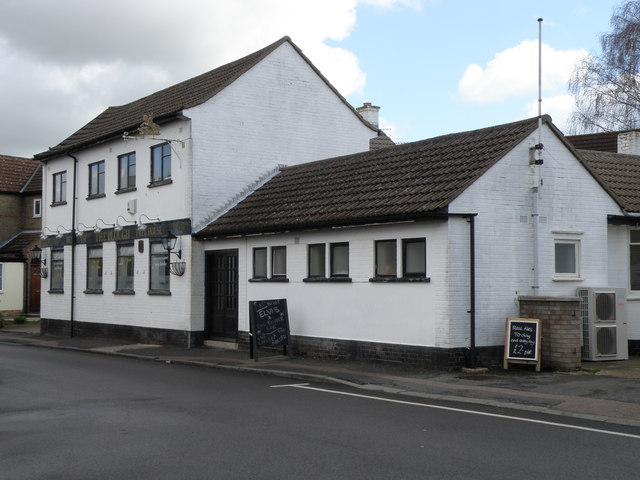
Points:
x=280 y=112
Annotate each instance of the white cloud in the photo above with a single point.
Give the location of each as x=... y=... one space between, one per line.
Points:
x=63 y=62
x=514 y=72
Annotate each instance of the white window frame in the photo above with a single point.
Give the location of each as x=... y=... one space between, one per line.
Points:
x=37 y=208
x=577 y=257
x=1 y=277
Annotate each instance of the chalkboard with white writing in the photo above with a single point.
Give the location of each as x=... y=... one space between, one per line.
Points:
x=522 y=340
x=269 y=321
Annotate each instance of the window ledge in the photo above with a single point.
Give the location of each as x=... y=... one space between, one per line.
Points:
x=327 y=280
x=633 y=296
x=91 y=291
x=125 y=190
x=159 y=183
x=58 y=204
x=159 y=292
x=97 y=195
x=568 y=279
x=267 y=280
x=124 y=292
x=56 y=290
x=400 y=280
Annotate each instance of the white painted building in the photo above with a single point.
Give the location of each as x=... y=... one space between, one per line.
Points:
x=116 y=187
x=538 y=221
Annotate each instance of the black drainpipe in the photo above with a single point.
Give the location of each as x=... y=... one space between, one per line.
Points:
x=73 y=247
x=472 y=291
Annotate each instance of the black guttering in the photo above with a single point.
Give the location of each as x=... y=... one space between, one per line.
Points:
x=73 y=246
x=631 y=221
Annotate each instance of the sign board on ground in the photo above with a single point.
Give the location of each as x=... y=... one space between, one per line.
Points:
x=522 y=341
x=269 y=323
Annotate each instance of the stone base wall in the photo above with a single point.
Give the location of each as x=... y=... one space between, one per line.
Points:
x=561 y=329
x=181 y=338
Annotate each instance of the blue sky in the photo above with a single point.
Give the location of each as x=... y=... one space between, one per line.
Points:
x=433 y=66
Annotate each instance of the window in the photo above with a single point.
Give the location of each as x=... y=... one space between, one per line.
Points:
x=37 y=208
x=96 y=179
x=317 y=260
x=634 y=259
x=414 y=258
x=260 y=262
x=127 y=171
x=59 y=188
x=124 y=268
x=278 y=262
x=567 y=259
x=386 y=265
x=94 y=269
x=1 y=277
x=57 y=270
x=159 y=268
x=160 y=163
x=339 y=259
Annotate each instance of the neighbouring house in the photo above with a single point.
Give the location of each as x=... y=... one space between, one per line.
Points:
x=20 y=226
x=414 y=252
x=124 y=194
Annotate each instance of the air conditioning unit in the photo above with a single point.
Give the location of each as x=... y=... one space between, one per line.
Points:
x=132 y=206
x=604 y=324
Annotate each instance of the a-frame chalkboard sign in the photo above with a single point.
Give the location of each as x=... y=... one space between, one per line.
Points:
x=522 y=342
x=269 y=324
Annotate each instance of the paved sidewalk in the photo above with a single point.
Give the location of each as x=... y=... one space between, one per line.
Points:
x=603 y=391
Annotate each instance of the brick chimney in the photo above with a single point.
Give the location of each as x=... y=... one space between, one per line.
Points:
x=629 y=142
x=369 y=113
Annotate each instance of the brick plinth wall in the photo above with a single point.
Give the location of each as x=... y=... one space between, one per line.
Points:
x=430 y=357
x=561 y=329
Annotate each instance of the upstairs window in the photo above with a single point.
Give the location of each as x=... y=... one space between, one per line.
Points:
x=59 y=188
x=127 y=171
x=37 y=208
x=634 y=259
x=317 y=260
x=1 y=277
x=96 y=179
x=160 y=163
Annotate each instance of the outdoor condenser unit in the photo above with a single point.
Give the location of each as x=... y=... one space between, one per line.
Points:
x=604 y=323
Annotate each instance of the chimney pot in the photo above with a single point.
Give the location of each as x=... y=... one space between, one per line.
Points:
x=370 y=113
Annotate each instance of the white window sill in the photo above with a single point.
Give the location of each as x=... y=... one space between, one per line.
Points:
x=633 y=296
x=568 y=279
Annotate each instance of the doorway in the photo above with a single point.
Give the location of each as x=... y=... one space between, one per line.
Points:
x=34 y=290
x=221 y=295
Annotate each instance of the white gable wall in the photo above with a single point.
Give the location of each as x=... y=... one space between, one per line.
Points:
x=279 y=112
x=572 y=205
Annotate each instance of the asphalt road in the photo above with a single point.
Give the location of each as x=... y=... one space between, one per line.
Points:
x=74 y=415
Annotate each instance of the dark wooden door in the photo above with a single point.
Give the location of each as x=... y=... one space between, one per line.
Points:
x=221 y=297
x=34 y=291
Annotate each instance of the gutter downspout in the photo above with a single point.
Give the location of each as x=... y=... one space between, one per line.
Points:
x=472 y=290
x=73 y=247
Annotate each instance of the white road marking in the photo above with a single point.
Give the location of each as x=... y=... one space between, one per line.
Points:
x=306 y=386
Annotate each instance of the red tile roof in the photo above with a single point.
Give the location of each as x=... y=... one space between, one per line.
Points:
x=412 y=180
x=16 y=174
x=16 y=248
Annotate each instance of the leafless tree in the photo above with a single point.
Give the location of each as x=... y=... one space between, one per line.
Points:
x=606 y=87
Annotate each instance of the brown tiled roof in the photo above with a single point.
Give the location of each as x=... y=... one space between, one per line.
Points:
x=16 y=247
x=411 y=180
x=619 y=173
x=15 y=173
x=168 y=103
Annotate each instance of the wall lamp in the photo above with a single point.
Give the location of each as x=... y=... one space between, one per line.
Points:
x=80 y=232
x=61 y=231
x=36 y=259
x=45 y=234
x=143 y=226
x=99 y=228
x=169 y=243
x=119 y=226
